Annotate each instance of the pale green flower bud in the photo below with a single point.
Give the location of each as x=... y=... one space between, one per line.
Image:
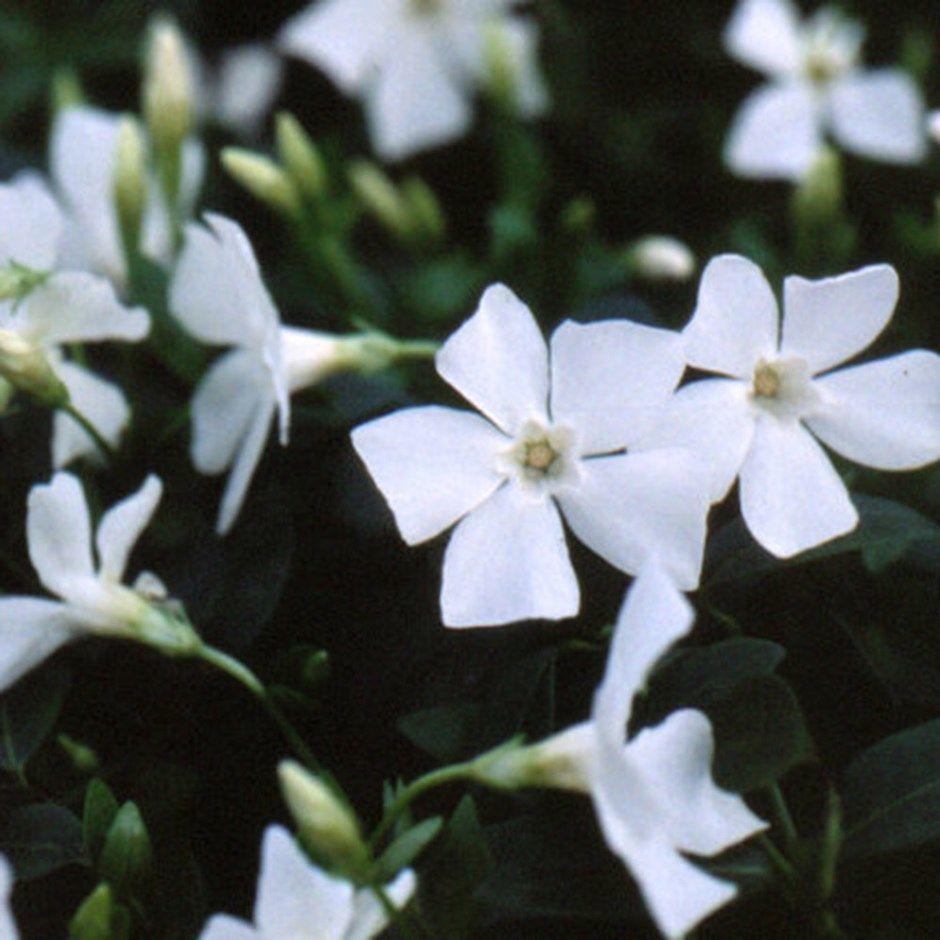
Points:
x=818 y=197
x=325 y=824
x=424 y=208
x=561 y=762
x=66 y=91
x=380 y=196
x=300 y=157
x=130 y=182
x=661 y=258
x=24 y=365
x=263 y=178
x=168 y=88
x=6 y=393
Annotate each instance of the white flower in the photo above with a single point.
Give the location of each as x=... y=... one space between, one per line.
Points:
x=8 y=929
x=662 y=258
x=299 y=901
x=58 y=533
x=70 y=307
x=239 y=92
x=82 y=166
x=933 y=126
x=759 y=423
x=816 y=85
x=552 y=431
x=218 y=295
x=415 y=63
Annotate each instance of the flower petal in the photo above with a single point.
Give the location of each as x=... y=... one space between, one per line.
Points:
x=369 y=917
x=830 y=320
x=122 y=525
x=102 y=403
x=74 y=307
x=508 y=561
x=765 y=34
x=30 y=223
x=433 y=465
x=415 y=101
x=58 y=533
x=714 y=420
x=792 y=499
x=250 y=78
x=223 y=927
x=7 y=927
x=31 y=630
x=293 y=894
x=675 y=759
x=635 y=507
x=776 y=134
x=611 y=380
x=880 y=114
x=222 y=408
x=499 y=362
x=246 y=462
x=342 y=37
x=883 y=414
x=735 y=321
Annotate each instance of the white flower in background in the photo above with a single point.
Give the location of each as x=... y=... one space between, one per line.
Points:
x=83 y=154
x=218 y=295
x=933 y=126
x=661 y=258
x=92 y=602
x=654 y=794
x=8 y=929
x=759 y=423
x=551 y=435
x=239 y=91
x=416 y=63
x=816 y=85
x=299 y=901
x=69 y=307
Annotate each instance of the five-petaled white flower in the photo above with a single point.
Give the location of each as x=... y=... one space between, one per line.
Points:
x=554 y=431
x=416 y=62
x=8 y=929
x=58 y=532
x=217 y=293
x=759 y=423
x=83 y=154
x=654 y=795
x=69 y=307
x=298 y=900
x=816 y=85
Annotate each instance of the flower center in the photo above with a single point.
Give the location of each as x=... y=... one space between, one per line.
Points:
x=784 y=387
x=426 y=7
x=542 y=458
x=766 y=382
x=539 y=456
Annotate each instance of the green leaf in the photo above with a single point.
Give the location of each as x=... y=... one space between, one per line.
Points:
x=92 y=921
x=28 y=714
x=891 y=795
x=443 y=732
x=760 y=734
x=100 y=810
x=406 y=848
x=126 y=858
x=40 y=839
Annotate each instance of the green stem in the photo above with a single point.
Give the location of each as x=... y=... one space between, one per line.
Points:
x=784 y=818
x=106 y=449
x=416 y=349
x=242 y=674
x=437 y=778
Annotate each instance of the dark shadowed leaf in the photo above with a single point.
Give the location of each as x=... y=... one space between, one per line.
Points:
x=28 y=713
x=40 y=839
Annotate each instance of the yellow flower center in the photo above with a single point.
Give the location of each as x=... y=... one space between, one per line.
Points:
x=426 y=7
x=766 y=382
x=539 y=456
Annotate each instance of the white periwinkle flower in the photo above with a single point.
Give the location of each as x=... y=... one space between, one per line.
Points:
x=8 y=929
x=759 y=423
x=654 y=794
x=661 y=258
x=415 y=63
x=239 y=92
x=816 y=85
x=552 y=434
x=217 y=293
x=68 y=307
x=298 y=900
x=92 y=602
x=83 y=165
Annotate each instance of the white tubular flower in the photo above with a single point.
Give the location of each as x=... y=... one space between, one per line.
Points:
x=8 y=929
x=219 y=297
x=551 y=435
x=298 y=900
x=816 y=85
x=96 y=602
x=759 y=422
x=83 y=153
x=243 y=88
x=415 y=63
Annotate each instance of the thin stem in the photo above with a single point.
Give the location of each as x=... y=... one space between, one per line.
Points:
x=416 y=349
x=784 y=818
x=437 y=778
x=778 y=860
x=242 y=674
x=106 y=449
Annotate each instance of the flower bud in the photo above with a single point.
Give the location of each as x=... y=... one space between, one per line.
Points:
x=300 y=157
x=818 y=197
x=325 y=824
x=66 y=91
x=380 y=196
x=130 y=182
x=424 y=208
x=933 y=126
x=263 y=178
x=6 y=393
x=168 y=88
x=661 y=258
x=24 y=365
